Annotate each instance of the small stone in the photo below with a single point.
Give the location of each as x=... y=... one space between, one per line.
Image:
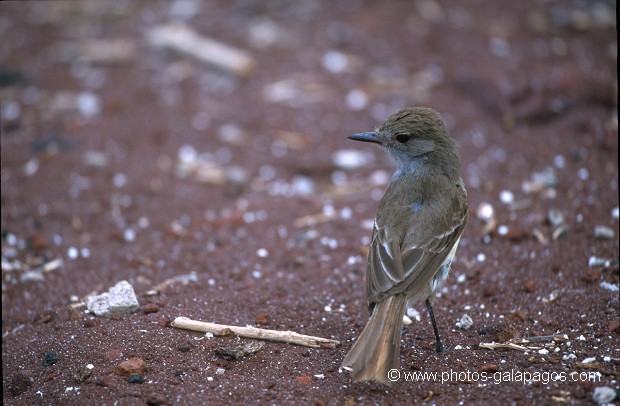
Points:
x=529 y=286
x=485 y=212
x=604 y=394
x=604 y=233
x=261 y=319
x=120 y=299
x=555 y=217
x=351 y=159
x=132 y=366
x=596 y=261
x=465 y=322
x=610 y=286
x=99 y=305
x=135 y=378
x=50 y=359
x=184 y=347
x=413 y=314
x=489 y=368
x=150 y=308
x=614 y=326
x=506 y=197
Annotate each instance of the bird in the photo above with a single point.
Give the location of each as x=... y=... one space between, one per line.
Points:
x=417 y=229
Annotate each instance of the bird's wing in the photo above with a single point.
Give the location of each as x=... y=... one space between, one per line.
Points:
x=409 y=268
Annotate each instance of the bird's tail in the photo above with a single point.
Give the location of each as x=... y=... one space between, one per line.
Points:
x=377 y=350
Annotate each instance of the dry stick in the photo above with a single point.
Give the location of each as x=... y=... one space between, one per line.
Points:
x=511 y=346
x=558 y=338
x=252 y=332
x=185 y=40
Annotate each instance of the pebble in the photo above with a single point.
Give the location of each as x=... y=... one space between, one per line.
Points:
x=120 y=299
x=609 y=286
x=50 y=358
x=596 y=261
x=489 y=368
x=413 y=314
x=465 y=322
x=150 y=308
x=604 y=394
x=506 y=197
x=135 y=378
x=603 y=233
x=485 y=212
x=351 y=159
x=32 y=276
x=555 y=217
x=132 y=366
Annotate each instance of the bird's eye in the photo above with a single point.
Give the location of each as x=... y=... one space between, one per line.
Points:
x=403 y=137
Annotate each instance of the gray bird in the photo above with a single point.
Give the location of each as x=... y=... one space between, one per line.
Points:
x=417 y=229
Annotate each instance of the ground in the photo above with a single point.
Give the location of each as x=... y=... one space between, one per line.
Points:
x=224 y=189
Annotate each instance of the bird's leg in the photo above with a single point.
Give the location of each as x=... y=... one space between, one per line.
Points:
x=429 y=307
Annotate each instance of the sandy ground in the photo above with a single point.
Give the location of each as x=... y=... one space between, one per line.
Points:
x=217 y=180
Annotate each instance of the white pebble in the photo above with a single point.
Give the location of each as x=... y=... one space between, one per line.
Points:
x=356 y=99
x=610 y=286
x=31 y=167
x=119 y=180
x=589 y=360
x=465 y=322
x=543 y=351
x=583 y=174
x=335 y=62
x=73 y=253
x=485 y=212
x=413 y=314
x=262 y=253
x=506 y=196
x=481 y=257
x=129 y=234
x=604 y=395
x=85 y=253
x=351 y=158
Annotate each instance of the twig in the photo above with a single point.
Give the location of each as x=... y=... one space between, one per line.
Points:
x=187 y=41
x=510 y=346
x=557 y=338
x=252 y=332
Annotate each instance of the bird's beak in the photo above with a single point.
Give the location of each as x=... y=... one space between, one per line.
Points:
x=366 y=137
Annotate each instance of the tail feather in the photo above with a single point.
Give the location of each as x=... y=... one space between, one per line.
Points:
x=377 y=350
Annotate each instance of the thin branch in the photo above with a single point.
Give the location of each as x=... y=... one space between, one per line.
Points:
x=252 y=332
